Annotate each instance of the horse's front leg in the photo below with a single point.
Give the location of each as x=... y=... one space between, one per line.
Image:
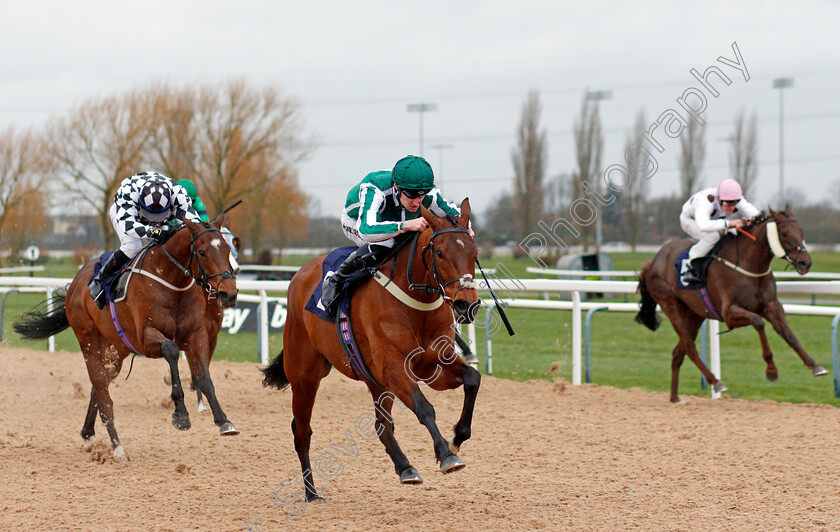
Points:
x=775 y=314
x=155 y=342
x=736 y=316
x=198 y=357
x=471 y=379
x=401 y=381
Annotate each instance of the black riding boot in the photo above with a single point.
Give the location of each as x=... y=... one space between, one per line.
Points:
x=363 y=257
x=692 y=274
x=114 y=263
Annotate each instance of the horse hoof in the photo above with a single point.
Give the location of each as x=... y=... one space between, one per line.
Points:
x=451 y=464
x=316 y=499
x=452 y=447
x=410 y=476
x=119 y=452
x=181 y=423
x=675 y=400
x=88 y=444
x=228 y=429
x=772 y=376
x=719 y=387
x=202 y=408
x=819 y=371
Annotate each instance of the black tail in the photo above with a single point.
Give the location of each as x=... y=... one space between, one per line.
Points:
x=275 y=375
x=40 y=323
x=647 y=307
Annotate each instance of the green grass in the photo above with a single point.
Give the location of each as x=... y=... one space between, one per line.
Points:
x=624 y=354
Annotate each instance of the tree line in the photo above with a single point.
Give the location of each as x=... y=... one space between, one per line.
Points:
x=627 y=212
x=234 y=141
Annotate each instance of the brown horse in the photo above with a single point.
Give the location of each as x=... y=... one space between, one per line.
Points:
x=741 y=287
x=401 y=345
x=174 y=301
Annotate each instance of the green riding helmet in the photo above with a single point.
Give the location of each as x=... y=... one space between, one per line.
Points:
x=197 y=204
x=413 y=173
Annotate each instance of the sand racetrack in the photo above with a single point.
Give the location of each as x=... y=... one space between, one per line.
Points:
x=542 y=456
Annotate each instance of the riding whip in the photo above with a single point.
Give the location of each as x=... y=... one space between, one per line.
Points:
x=498 y=304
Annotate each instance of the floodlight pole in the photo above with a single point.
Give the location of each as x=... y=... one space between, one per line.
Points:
x=597 y=96
x=421 y=108
x=781 y=84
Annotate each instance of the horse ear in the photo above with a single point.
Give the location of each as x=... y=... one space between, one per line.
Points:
x=218 y=221
x=433 y=220
x=193 y=227
x=788 y=210
x=464 y=219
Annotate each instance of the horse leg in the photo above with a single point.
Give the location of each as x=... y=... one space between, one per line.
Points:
x=101 y=372
x=180 y=417
x=385 y=429
x=201 y=406
x=776 y=315
x=88 y=429
x=462 y=429
x=199 y=367
x=686 y=324
x=736 y=316
x=407 y=391
x=303 y=399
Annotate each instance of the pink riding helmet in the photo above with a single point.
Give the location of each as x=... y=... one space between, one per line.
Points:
x=730 y=190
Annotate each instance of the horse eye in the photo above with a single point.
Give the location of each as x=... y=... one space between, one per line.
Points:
x=202 y=253
x=439 y=254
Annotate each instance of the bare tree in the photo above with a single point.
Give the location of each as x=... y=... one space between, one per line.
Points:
x=692 y=156
x=529 y=160
x=589 y=143
x=97 y=145
x=743 y=157
x=235 y=127
x=635 y=191
x=23 y=202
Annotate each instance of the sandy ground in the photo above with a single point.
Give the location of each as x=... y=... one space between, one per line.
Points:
x=542 y=456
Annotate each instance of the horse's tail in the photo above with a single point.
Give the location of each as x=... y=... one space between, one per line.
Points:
x=647 y=307
x=275 y=375
x=40 y=323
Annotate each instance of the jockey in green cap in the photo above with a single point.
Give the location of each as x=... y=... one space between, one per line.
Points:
x=197 y=204
x=385 y=204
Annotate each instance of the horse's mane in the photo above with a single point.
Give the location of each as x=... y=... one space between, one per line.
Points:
x=759 y=219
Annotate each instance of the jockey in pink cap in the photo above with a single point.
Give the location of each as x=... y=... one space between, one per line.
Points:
x=707 y=215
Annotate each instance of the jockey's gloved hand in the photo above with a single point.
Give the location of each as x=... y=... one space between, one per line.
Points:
x=160 y=234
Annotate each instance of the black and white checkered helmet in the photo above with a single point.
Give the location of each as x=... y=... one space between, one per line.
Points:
x=155 y=200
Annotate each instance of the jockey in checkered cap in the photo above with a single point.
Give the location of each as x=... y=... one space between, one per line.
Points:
x=143 y=204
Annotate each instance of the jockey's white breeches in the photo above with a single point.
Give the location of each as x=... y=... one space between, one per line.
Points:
x=706 y=240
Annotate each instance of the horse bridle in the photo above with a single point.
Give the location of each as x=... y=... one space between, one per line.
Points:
x=799 y=249
x=467 y=282
x=203 y=280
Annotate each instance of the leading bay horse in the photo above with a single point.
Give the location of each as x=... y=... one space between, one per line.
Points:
x=402 y=341
x=740 y=286
x=174 y=300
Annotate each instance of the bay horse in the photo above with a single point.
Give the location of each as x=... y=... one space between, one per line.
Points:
x=401 y=345
x=740 y=286
x=174 y=300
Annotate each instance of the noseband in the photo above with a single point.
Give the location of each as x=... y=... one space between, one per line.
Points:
x=776 y=245
x=203 y=280
x=466 y=281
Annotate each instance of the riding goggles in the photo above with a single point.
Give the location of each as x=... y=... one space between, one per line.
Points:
x=729 y=203
x=414 y=194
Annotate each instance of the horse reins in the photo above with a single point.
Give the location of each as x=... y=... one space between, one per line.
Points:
x=203 y=280
x=801 y=247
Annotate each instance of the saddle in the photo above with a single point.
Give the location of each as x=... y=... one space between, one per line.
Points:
x=114 y=286
x=681 y=263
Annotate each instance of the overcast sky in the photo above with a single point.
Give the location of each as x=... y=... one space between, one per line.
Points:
x=355 y=66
